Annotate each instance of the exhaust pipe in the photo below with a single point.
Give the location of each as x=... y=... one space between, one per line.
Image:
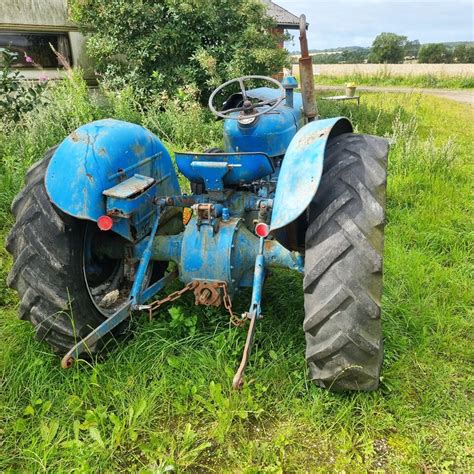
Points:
x=306 y=75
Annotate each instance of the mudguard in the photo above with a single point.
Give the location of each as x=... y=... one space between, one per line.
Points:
x=98 y=156
x=302 y=168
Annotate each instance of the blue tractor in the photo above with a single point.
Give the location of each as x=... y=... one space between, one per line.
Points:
x=100 y=232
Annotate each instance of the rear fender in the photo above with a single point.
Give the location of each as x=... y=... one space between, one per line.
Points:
x=98 y=156
x=302 y=169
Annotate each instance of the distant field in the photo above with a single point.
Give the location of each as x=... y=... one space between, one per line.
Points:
x=458 y=70
x=445 y=76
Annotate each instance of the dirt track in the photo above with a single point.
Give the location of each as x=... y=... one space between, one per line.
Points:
x=463 y=96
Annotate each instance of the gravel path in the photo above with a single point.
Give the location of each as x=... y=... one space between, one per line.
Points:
x=464 y=96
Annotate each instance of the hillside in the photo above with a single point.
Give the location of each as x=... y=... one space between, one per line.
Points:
x=340 y=49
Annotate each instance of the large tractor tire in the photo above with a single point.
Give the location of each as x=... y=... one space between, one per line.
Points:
x=65 y=291
x=343 y=265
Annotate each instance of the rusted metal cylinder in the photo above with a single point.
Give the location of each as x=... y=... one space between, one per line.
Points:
x=205 y=295
x=306 y=75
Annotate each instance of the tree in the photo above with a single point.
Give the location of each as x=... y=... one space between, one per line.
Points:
x=412 y=48
x=434 y=54
x=388 y=48
x=355 y=56
x=464 y=53
x=155 y=46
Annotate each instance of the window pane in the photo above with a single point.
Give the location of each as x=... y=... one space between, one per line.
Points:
x=37 y=47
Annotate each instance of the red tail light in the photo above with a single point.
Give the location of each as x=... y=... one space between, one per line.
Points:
x=105 y=223
x=262 y=229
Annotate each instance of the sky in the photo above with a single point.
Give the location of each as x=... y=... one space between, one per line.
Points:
x=356 y=23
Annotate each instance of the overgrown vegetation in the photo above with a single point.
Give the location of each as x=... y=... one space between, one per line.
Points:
x=17 y=96
x=154 y=46
x=163 y=400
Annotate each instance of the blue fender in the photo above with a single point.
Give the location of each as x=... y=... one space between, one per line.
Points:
x=100 y=155
x=302 y=168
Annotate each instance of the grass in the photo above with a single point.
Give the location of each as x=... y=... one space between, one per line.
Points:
x=163 y=400
x=382 y=78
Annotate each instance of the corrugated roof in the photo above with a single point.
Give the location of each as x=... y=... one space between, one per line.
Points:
x=281 y=16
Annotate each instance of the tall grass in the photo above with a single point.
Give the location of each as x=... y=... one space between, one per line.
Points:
x=163 y=400
x=70 y=104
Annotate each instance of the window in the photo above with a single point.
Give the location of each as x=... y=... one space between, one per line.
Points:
x=37 y=47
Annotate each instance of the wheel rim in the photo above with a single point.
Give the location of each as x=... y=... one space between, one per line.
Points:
x=104 y=277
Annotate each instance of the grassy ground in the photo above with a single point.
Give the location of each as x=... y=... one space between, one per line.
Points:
x=436 y=81
x=164 y=400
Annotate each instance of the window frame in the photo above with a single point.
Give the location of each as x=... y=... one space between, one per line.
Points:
x=22 y=64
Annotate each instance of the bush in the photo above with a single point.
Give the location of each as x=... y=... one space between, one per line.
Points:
x=67 y=105
x=162 y=46
x=16 y=95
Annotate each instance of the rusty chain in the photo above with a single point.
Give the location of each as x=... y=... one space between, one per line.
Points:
x=171 y=297
x=235 y=320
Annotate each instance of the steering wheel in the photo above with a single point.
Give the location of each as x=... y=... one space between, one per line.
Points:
x=248 y=106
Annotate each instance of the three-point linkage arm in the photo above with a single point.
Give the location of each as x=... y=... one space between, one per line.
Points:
x=121 y=314
x=253 y=314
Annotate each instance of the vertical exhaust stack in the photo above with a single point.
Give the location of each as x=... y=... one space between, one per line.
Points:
x=306 y=75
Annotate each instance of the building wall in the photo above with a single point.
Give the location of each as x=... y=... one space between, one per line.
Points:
x=44 y=16
x=50 y=14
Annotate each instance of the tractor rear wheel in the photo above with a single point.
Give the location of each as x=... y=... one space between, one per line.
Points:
x=343 y=265
x=65 y=289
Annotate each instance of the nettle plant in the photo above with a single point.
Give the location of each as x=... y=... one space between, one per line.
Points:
x=17 y=96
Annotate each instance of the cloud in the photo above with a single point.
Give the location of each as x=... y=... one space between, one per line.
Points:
x=347 y=23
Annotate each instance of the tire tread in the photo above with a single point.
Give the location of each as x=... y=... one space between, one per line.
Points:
x=343 y=267
x=40 y=242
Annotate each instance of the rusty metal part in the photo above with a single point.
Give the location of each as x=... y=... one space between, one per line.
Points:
x=205 y=294
x=88 y=342
x=204 y=212
x=262 y=212
x=235 y=320
x=208 y=294
x=306 y=75
x=180 y=201
x=238 y=380
x=171 y=297
x=213 y=300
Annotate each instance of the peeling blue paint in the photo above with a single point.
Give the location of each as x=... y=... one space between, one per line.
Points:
x=217 y=170
x=100 y=155
x=302 y=168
